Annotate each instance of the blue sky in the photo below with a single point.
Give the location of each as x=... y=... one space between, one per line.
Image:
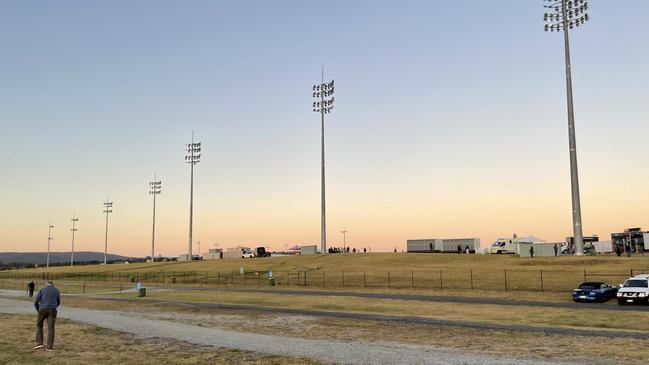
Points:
x=446 y=112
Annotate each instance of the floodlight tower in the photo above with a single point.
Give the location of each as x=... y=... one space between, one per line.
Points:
x=344 y=232
x=193 y=157
x=73 y=229
x=565 y=15
x=49 y=243
x=108 y=208
x=155 y=189
x=323 y=106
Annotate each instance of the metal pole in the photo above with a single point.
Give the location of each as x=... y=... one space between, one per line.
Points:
x=49 y=241
x=74 y=229
x=574 y=175
x=106 y=241
x=191 y=198
x=323 y=218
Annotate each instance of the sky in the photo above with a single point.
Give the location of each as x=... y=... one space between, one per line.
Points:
x=449 y=121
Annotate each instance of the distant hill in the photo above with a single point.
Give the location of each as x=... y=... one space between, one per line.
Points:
x=40 y=258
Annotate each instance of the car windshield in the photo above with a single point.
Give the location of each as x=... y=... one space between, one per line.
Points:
x=636 y=283
x=590 y=286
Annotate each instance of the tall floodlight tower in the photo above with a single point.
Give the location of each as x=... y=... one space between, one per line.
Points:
x=565 y=15
x=323 y=106
x=344 y=232
x=49 y=243
x=155 y=189
x=193 y=157
x=108 y=208
x=73 y=229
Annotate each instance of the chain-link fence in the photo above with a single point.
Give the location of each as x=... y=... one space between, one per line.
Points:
x=462 y=279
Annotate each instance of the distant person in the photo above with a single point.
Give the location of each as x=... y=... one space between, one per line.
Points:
x=46 y=303
x=556 y=249
x=466 y=250
x=395 y=250
x=627 y=248
x=30 y=288
x=364 y=249
x=459 y=249
x=431 y=247
x=531 y=251
x=618 y=250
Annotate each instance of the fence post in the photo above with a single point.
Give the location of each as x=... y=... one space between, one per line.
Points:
x=343 y=278
x=541 y=279
x=288 y=279
x=388 y=279
x=412 y=278
x=471 y=271
x=585 y=275
x=324 y=279
x=505 y=280
x=245 y=277
x=364 y=279
x=84 y=289
x=305 y=281
x=258 y=279
x=441 y=283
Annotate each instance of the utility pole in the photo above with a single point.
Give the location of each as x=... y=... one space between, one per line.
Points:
x=108 y=208
x=193 y=157
x=155 y=189
x=74 y=229
x=323 y=106
x=49 y=243
x=344 y=232
x=565 y=15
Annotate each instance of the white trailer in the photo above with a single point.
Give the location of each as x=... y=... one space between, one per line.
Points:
x=443 y=245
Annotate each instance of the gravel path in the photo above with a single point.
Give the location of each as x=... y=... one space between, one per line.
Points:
x=323 y=350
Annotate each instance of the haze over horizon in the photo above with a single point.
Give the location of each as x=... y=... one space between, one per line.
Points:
x=450 y=121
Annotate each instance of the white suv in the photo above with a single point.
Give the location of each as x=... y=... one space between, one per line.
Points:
x=634 y=290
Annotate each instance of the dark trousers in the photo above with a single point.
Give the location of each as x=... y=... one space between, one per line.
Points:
x=31 y=293
x=50 y=316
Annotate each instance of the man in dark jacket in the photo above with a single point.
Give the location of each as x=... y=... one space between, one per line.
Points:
x=46 y=303
x=30 y=288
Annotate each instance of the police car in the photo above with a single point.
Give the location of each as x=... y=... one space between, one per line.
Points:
x=635 y=290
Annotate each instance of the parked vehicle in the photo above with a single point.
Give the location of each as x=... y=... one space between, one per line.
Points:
x=261 y=252
x=594 y=292
x=509 y=245
x=246 y=253
x=634 y=290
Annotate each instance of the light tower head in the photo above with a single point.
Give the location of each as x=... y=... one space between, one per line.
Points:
x=565 y=14
x=155 y=187
x=320 y=92
x=193 y=153
x=108 y=207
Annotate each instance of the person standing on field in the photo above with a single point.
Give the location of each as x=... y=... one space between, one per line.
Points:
x=30 y=288
x=46 y=304
x=556 y=249
x=531 y=251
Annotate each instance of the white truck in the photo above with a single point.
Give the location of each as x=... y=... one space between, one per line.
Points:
x=509 y=245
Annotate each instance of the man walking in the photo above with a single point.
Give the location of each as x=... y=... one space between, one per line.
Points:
x=30 y=288
x=556 y=249
x=531 y=251
x=46 y=303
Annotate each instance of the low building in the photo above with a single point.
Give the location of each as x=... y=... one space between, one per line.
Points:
x=633 y=238
x=213 y=254
x=443 y=245
x=308 y=250
x=540 y=249
x=183 y=257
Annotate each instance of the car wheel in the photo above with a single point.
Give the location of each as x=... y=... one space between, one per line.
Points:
x=499 y=252
x=621 y=302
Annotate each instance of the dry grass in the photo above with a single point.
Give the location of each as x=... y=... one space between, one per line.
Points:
x=535 y=316
x=594 y=350
x=380 y=262
x=82 y=344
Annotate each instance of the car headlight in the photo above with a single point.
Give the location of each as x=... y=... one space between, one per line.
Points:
x=619 y=294
x=642 y=295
